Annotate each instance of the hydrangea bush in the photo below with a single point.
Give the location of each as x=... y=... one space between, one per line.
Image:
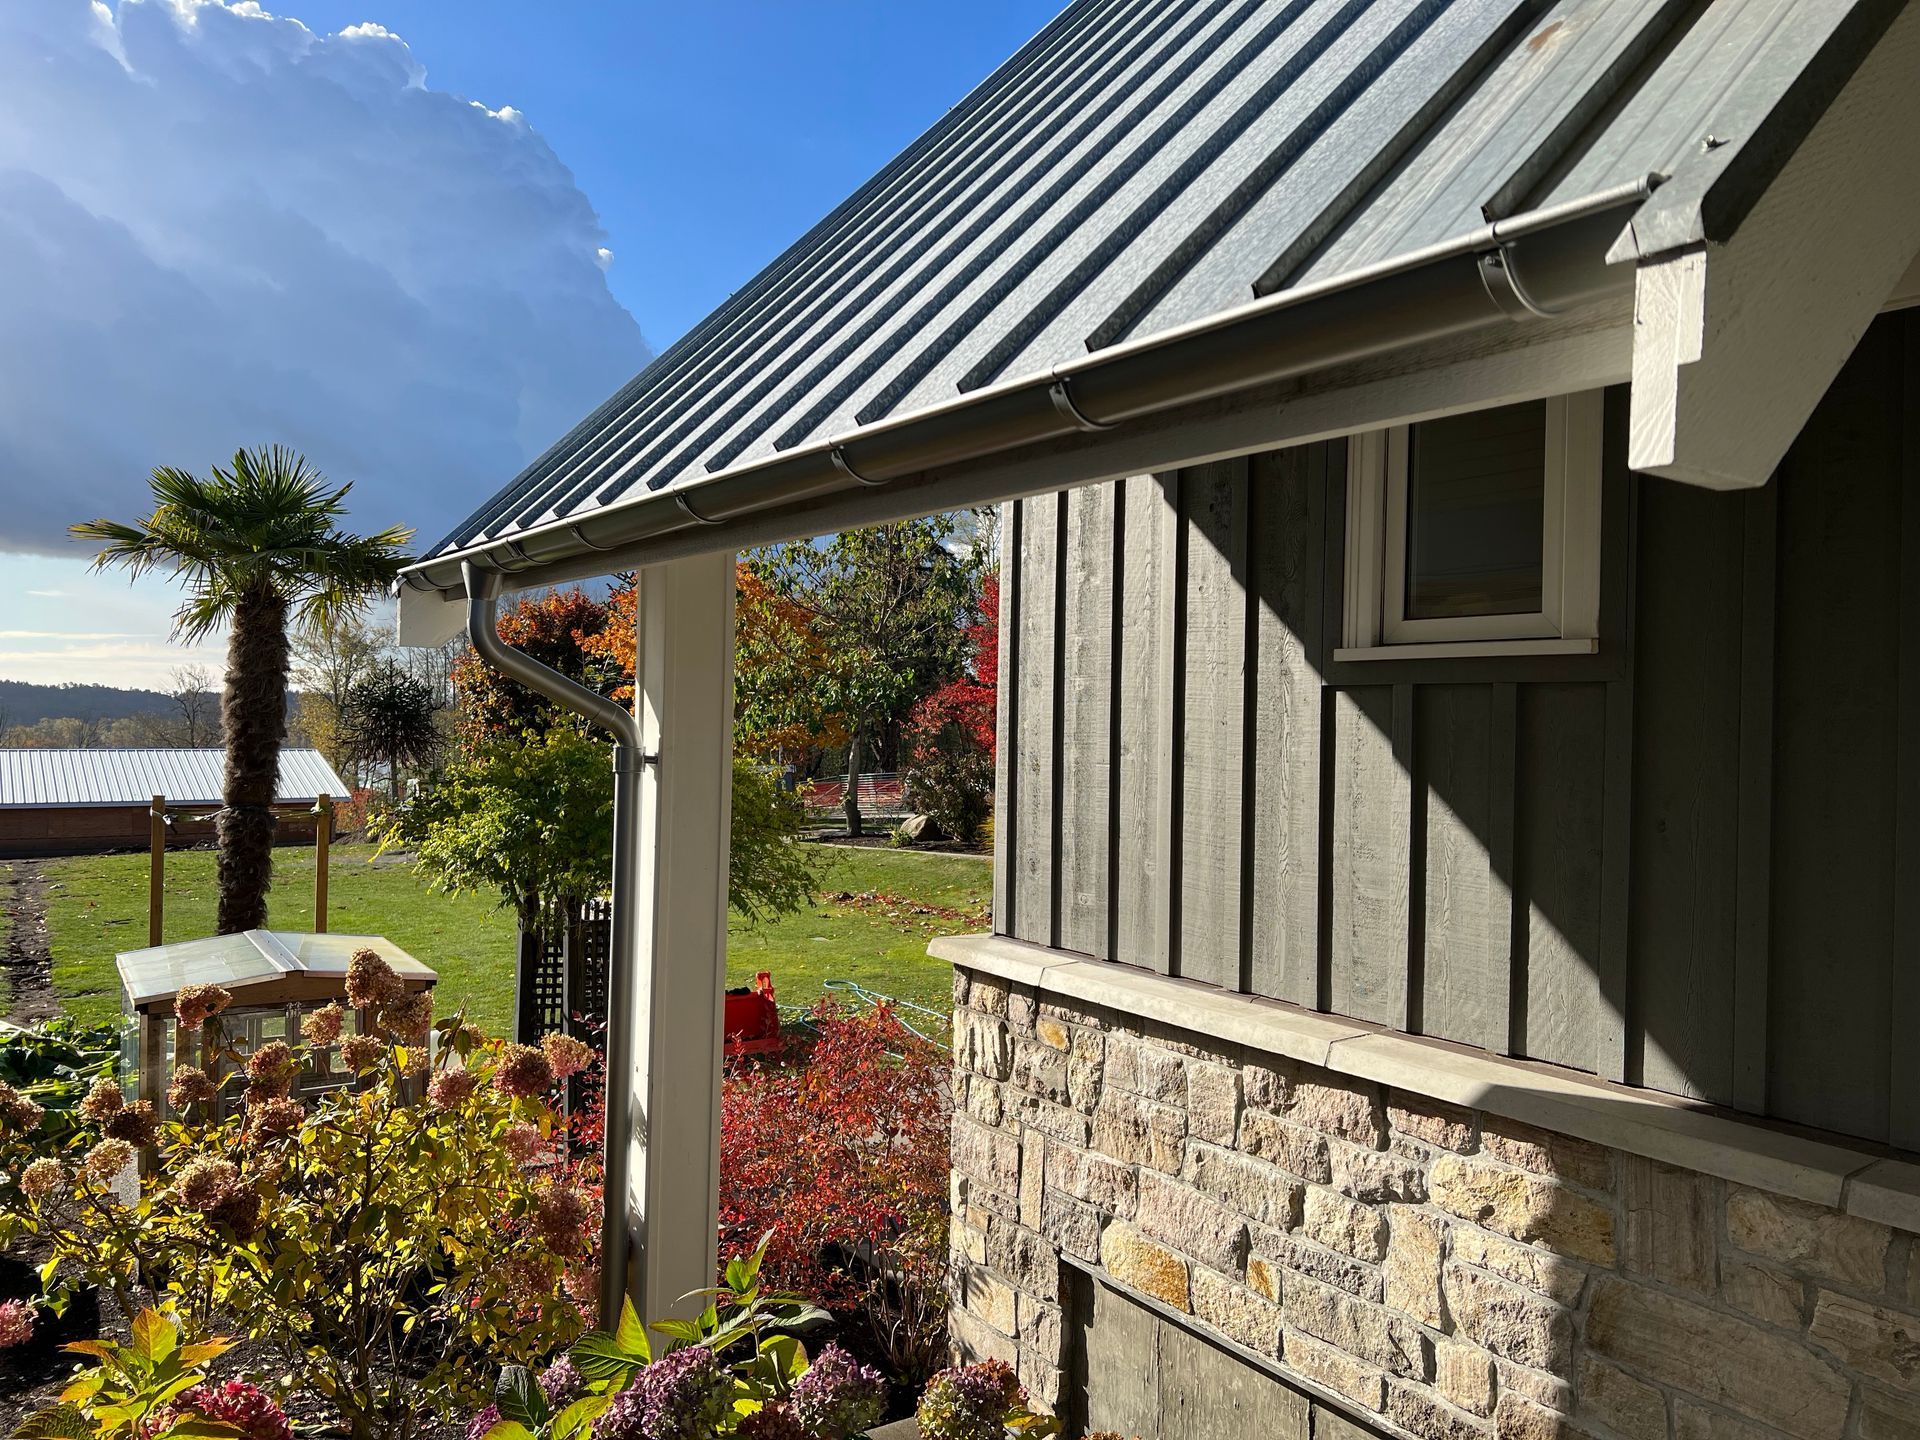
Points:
x=388 y=1242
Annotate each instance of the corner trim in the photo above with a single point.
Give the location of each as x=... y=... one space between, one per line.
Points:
x=1748 y=1152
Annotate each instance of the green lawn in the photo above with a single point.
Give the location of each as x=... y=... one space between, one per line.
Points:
x=97 y=906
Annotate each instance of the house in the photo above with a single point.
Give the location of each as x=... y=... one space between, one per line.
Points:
x=1453 y=969
x=72 y=802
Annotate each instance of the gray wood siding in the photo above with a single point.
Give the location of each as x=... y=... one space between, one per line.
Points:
x=1687 y=861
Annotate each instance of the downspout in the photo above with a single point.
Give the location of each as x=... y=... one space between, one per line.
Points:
x=483 y=603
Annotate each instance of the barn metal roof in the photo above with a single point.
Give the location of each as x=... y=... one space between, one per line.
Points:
x=63 y=778
x=1143 y=165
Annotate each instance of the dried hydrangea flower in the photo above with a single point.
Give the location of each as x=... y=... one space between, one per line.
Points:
x=371 y=981
x=776 y=1421
x=104 y=1099
x=137 y=1124
x=362 y=1052
x=562 y=1384
x=684 y=1395
x=561 y=1215
x=17 y=1112
x=16 y=1323
x=279 y=1116
x=450 y=1089
x=245 y=1407
x=838 y=1395
x=528 y=1280
x=191 y=1086
x=483 y=1420
x=521 y=1141
x=323 y=1026
x=238 y=1210
x=106 y=1160
x=971 y=1402
x=43 y=1179
x=271 y=1068
x=197 y=1004
x=522 y=1071
x=407 y=1017
x=204 y=1182
x=565 y=1054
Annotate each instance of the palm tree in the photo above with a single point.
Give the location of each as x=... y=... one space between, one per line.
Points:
x=257 y=545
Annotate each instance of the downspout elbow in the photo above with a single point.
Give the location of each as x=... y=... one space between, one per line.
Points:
x=483 y=605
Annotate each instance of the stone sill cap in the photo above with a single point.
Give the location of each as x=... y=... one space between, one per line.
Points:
x=1639 y=1122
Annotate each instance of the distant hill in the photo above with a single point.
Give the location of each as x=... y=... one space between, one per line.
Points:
x=24 y=703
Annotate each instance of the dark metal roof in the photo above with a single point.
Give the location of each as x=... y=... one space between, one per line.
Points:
x=63 y=778
x=1144 y=164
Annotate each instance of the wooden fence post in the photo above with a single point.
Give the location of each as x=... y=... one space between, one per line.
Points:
x=322 y=838
x=156 y=865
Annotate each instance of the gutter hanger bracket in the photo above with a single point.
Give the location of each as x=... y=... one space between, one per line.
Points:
x=1062 y=397
x=680 y=499
x=838 y=455
x=1506 y=289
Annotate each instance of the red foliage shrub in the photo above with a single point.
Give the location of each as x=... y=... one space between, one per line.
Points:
x=840 y=1151
x=950 y=734
x=556 y=628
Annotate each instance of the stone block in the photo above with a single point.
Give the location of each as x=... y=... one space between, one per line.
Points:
x=1824 y=1243
x=960 y=985
x=1721 y=1358
x=1056 y=1122
x=982 y=1044
x=1300 y=1152
x=1213 y=1102
x=1351 y=1111
x=1140 y=1132
x=1251 y=1187
x=1235 y=1311
x=985 y=1102
x=1463 y=1374
x=1875 y=1341
x=1269 y=1085
x=1887 y=1417
x=1096 y=1179
x=1508 y=1321
x=1419 y=1411
x=1152 y=1269
x=1044 y=1381
x=1379 y=1176
x=1026 y=1258
x=1146 y=1068
x=988 y=1158
x=1670 y=1220
x=1086 y=1070
x=1430 y=1121
x=1051 y=1033
x=1265 y=1277
x=1180 y=1216
x=1523 y=1206
x=1763 y=1292
x=1518 y=1418
x=989 y=995
x=1316 y=1262
x=1033 y=1176
x=1697 y=1422
x=1577 y=1162
x=1072 y=1227
x=1412 y=1269
x=1527 y=1266
x=1040 y=1070
x=1042 y=1327
x=1329 y=1218
x=1552 y=1392
x=1369 y=1331
x=1023 y=1009
x=1617 y=1400
x=970 y=1339
x=988 y=1297
x=1340 y=1372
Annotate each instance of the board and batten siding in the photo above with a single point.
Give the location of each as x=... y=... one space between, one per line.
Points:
x=1690 y=861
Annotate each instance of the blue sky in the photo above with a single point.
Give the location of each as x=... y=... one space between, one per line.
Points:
x=409 y=286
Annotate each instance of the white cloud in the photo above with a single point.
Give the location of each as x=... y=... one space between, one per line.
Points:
x=219 y=228
x=603 y=257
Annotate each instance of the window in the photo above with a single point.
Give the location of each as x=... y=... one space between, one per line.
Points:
x=1476 y=534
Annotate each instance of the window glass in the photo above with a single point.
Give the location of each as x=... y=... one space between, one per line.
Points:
x=1475 y=497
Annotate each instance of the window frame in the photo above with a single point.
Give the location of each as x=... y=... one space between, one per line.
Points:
x=1374 y=621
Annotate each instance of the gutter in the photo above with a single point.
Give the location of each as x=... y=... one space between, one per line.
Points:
x=483 y=603
x=1531 y=266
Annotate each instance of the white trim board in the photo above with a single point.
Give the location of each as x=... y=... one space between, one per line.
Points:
x=1641 y=1122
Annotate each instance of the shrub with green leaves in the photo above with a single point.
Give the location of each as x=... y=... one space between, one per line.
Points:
x=389 y=1242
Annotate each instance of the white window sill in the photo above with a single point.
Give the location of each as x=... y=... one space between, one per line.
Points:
x=1466 y=649
x=1640 y=1122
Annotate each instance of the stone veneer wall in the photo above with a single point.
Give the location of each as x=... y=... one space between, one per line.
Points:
x=1450 y=1273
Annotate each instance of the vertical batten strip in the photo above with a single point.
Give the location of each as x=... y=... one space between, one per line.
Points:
x=1753 y=864
x=1038 y=671
x=1369 y=858
x=1143 y=681
x=1086 y=664
x=1903 y=1116
x=1212 y=708
x=1006 y=748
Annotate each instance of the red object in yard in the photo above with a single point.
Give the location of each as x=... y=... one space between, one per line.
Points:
x=752 y=1022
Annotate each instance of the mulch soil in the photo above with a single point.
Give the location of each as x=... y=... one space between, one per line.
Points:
x=27 y=962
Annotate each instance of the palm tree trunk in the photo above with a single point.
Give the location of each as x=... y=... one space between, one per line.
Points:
x=254 y=718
